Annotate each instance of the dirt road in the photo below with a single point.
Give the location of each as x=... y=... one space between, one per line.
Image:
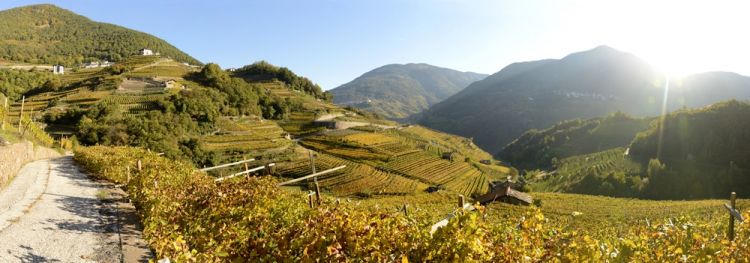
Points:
x=52 y=212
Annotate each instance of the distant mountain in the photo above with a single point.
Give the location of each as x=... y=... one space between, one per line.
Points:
x=47 y=34
x=397 y=91
x=542 y=149
x=589 y=84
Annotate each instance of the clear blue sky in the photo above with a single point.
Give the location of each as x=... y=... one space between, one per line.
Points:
x=334 y=41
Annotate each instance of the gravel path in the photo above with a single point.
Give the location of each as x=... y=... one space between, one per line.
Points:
x=52 y=212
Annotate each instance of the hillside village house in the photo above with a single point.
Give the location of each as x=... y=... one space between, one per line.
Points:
x=169 y=83
x=146 y=52
x=97 y=64
x=58 y=69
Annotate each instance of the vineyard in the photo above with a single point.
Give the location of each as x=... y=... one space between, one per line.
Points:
x=395 y=149
x=80 y=75
x=355 y=179
x=235 y=138
x=444 y=142
x=28 y=129
x=307 y=102
x=400 y=154
x=163 y=69
x=188 y=217
x=341 y=150
x=574 y=169
x=369 y=139
x=458 y=176
x=33 y=131
x=86 y=87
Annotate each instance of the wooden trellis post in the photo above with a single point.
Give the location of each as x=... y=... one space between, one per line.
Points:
x=5 y=113
x=20 y=115
x=733 y=215
x=317 y=191
x=312 y=162
x=315 y=179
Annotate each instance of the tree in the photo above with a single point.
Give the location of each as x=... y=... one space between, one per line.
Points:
x=53 y=84
x=655 y=168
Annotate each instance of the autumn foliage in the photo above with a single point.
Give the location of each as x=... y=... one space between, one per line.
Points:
x=189 y=217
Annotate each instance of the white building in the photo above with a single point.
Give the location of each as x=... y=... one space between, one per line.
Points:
x=58 y=69
x=146 y=52
x=97 y=64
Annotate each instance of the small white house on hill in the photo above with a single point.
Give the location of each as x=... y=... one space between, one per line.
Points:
x=146 y=52
x=58 y=69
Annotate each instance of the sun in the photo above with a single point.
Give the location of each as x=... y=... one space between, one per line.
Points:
x=677 y=38
x=672 y=63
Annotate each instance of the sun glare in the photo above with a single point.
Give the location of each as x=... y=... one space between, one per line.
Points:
x=675 y=37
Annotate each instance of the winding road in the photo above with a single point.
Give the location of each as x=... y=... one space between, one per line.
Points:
x=53 y=212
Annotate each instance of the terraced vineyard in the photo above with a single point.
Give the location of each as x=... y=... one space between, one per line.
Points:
x=134 y=62
x=236 y=138
x=163 y=69
x=80 y=75
x=300 y=123
x=355 y=179
x=348 y=152
x=369 y=139
x=132 y=99
x=442 y=142
x=406 y=155
x=307 y=102
x=574 y=169
x=396 y=149
x=457 y=176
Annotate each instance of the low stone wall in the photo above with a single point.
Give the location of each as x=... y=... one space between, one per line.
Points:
x=15 y=156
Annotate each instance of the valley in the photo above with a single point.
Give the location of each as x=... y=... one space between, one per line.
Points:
x=594 y=157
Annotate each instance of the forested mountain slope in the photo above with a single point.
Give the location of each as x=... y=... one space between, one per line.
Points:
x=542 y=149
x=691 y=154
x=47 y=34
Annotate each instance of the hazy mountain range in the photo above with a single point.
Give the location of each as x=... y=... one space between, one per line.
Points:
x=397 y=91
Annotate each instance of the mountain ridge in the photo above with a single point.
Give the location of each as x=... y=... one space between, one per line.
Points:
x=588 y=84
x=397 y=91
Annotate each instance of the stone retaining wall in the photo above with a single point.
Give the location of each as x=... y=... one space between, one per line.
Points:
x=15 y=156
